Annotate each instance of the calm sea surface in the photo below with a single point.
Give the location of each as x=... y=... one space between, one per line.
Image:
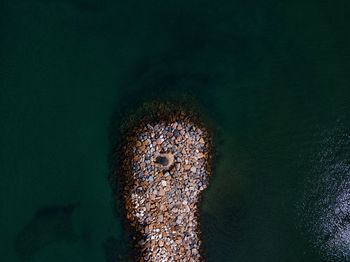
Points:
x=274 y=77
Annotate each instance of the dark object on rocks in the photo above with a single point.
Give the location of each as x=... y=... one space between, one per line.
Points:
x=162 y=160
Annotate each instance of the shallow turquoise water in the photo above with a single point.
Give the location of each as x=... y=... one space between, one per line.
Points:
x=273 y=75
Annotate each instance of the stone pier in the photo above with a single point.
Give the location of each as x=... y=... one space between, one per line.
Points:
x=166 y=167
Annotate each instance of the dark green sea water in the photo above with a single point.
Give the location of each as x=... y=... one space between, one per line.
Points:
x=273 y=75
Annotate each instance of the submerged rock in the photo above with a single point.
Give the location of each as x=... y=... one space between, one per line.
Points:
x=116 y=250
x=49 y=225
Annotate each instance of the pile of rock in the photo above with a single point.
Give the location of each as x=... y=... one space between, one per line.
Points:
x=166 y=166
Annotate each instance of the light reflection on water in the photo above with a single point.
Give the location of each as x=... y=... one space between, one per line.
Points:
x=326 y=206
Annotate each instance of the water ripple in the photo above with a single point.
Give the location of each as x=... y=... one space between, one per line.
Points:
x=326 y=206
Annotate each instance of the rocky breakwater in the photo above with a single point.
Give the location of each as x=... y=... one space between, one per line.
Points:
x=166 y=166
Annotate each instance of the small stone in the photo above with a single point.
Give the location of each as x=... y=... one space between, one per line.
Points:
x=163 y=183
x=193 y=169
x=200 y=155
x=187 y=167
x=161 y=192
x=176 y=133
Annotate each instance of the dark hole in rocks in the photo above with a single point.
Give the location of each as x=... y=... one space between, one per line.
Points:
x=162 y=160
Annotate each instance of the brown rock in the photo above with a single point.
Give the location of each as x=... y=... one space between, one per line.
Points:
x=187 y=167
x=200 y=155
x=161 y=192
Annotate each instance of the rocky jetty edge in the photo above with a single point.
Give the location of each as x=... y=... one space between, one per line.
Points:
x=166 y=164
